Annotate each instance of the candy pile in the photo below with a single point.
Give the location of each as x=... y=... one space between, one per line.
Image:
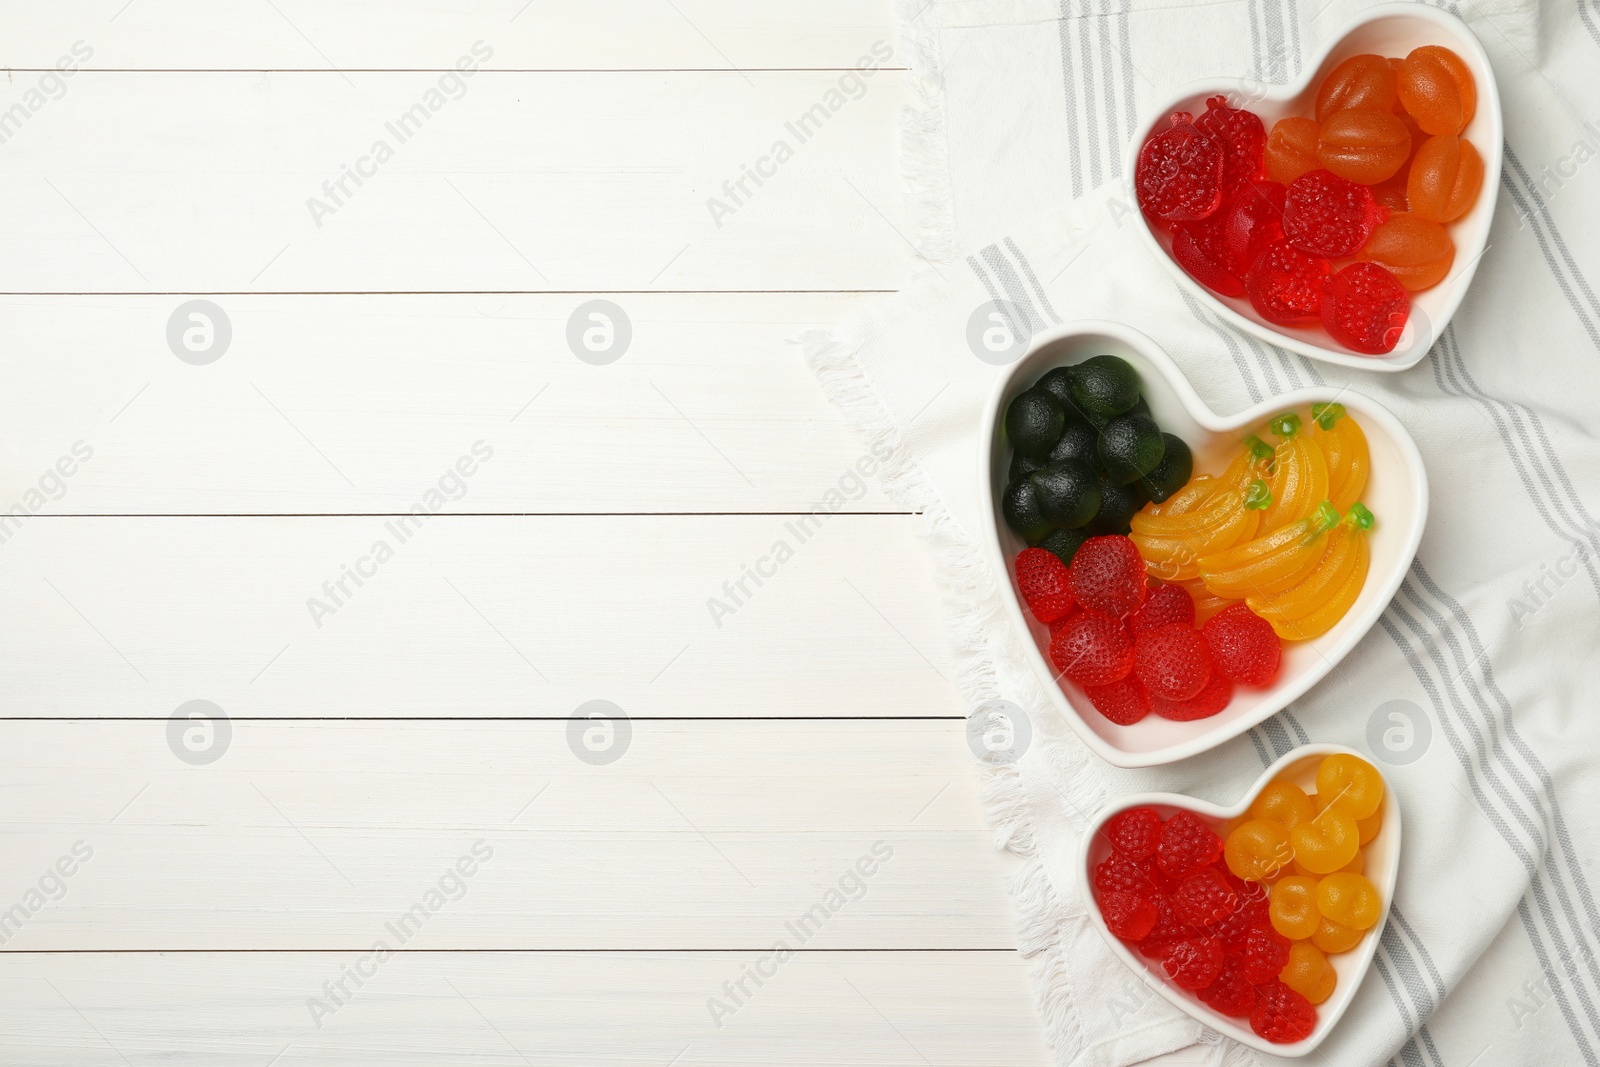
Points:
x=1280 y=530
x=1247 y=925
x=1333 y=219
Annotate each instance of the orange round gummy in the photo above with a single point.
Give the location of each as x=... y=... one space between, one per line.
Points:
x=1308 y=972
x=1258 y=850
x=1284 y=803
x=1327 y=842
x=1417 y=251
x=1446 y=175
x=1292 y=149
x=1332 y=937
x=1364 y=81
x=1364 y=146
x=1292 y=908
x=1355 y=866
x=1436 y=87
x=1367 y=829
x=1349 y=900
x=1350 y=782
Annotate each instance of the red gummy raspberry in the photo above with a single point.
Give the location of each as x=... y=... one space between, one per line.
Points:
x=1135 y=833
x=1165 y=604
x=1193 y=963
x=1231 y=994
x=1254 y=220
x=1204 y=898
x=1263 y=954
x=1281 y=1015
x=1217 y=695
x=1124 y=702
x=1172 y=661
x=1117 y=873
x=1250 y=915
x=1201 y=249
x=1326 y=215
x=1168 y=928
x=1285 y=285
x=1186 y=845
x=1108 y=575
x=1243 y=138
x=1042 y=581
x=1092 y=649
x=1179 y=173
x=1243 y=645
x=1128 y=915
x=1365 y=308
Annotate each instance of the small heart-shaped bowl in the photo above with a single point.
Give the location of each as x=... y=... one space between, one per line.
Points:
x=1387 y=30
x=1397 y=493
x=1382 y=865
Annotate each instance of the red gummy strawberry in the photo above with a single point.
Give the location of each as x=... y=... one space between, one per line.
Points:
x=1263 y=954
x=1217 y=695
x=1243 y=138
x=1164 y=604
x=1179 y=173
x=1204 y=898
x=1186 y=845
x=1201 y=249
x=1281 y=1015
x=1042 y=581
x=1118 y=873
x=1193 y=963
x=1124 y=702
x=1172 y=661
x=1285 y=284
x=1231 y=994
x=1128 y=915
x=1365 y=308
x=1092 y=649
x=1326 y=215
x=1108 y=575
x=1254 y=220
x=1135 y=833
x=1243 y=645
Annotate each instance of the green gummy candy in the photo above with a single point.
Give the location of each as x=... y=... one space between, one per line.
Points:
x=1327 y=414
x=1286 y=425
x=1258 y=497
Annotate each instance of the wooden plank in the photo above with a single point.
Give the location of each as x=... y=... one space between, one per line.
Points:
x=139 y=182
x=478 y=835
x=354 y=34
x=849 y=1009
x=473 y=617
x=357 y=404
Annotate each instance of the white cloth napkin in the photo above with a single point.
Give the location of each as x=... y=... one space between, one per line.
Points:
x=1013 y=166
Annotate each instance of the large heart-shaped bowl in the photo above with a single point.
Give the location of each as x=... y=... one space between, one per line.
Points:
x=1397 y=493
x=1382 y=865
x=1388 y=30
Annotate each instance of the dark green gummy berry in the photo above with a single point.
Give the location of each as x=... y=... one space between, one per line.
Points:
x=1105 y=386
x=1020 y=506
x=1131 y=447
x=1068 y=493
x=1058 y=383
x=1118 y=505
x=1022 y=466
x=1065 y=543
x=1172 y=473
x=1034 y=422
x=1079 y=443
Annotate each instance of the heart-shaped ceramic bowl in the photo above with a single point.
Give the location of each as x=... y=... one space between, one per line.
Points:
x=1397 y=493
x=1382 y=864
x=1388 y=30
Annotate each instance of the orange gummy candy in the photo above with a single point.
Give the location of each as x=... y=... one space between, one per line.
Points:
x=1332 y=937
x=1446 y=175
x=1327 y=842
x=1258 y=850
x=1349 y=900
x=1417 y=251
x=1308 y=972
x=1364 y=81
x=1292 y=149
x=1351 y=783
x=1292 y=908
x=1436 y=87
x=1284 y=803
x=1367 y=829
x=1364 y=146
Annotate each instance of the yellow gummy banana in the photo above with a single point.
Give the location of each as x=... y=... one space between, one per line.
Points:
x=1270 y=563
x=1299 y=478
x=1344 y=445
x=1172 y=544
x=1312 y=607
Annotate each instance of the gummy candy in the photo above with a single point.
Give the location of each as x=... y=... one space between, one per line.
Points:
x=1128 y=915
x=1242 y=137
x=1204 y=897
x=1172 y=541
x=1437 y=88
x=1254 y=220
x=1292 y=149
x=1308 y=972
x=1193 y=963
x=1368 y=828
x=1258 y=850
x=1311 y=608
x=1092 y=649
x=1299 y=478
x=1445 y=178
x=1293 y=907
x=1364 y=146
x=1201 y=249
x=1284 y=803
x=1417 y=251
x=1362 y=81
x=1243 y=646
x=1356 y=865
x=1364 y=308
x=1119 y=872
x=1326 y=842
x=1333 y=938
x=1285 y=284
x=1187 y=844
x=1179 y=172
x=1344 y=447
x=1349 y=900
x=1271 y=563
x=1263 y=955
x=1231 y=994
x=1108 y=575
x=1042 y=581
x=1351 y=783
x=1124 y=702
x=1281 y=1015
x=1135 y=833
x=1326 y=215
x=1172 y=662
x=1164 y=604
x=1217 y=695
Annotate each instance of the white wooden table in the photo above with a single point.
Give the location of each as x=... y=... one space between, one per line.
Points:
x=401 y=754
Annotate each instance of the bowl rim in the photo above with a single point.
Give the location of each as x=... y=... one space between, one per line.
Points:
x=1365 y=950
x=1369 y=409
x=1488 y=104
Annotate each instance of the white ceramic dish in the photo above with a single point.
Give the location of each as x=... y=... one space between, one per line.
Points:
x=1397 y=493
x=1388 y=30
x=1382 y=865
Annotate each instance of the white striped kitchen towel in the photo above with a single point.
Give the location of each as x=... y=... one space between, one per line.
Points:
x=1013 y=154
